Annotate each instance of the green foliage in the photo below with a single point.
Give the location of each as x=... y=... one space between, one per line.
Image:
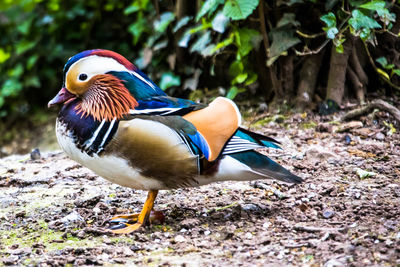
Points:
x=39 y=36
x=239 y=9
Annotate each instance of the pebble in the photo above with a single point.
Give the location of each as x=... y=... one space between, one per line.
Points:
x=266 y=225
x=248 y=235
x=311 y=195
x=328 y=213
x=10 y=260
x=380 y=136
x=81 y=234
x=72 y=217
x=179 y=239
x=207 y=232
x=35 y=154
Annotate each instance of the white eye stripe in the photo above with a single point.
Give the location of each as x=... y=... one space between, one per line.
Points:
x=93 y=65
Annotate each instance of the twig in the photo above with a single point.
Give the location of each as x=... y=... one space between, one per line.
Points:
x=379 y=104
x=309 y=36
x=377 y=71
x=312 y=52
x=312 y=229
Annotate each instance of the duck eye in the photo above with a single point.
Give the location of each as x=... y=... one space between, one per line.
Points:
x=82 y=77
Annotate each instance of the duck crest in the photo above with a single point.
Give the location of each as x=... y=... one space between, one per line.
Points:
x=89 y=135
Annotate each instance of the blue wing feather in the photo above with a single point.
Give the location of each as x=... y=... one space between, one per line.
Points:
x=265 y=166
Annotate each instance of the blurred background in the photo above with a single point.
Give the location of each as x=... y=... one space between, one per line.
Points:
x=269 y=56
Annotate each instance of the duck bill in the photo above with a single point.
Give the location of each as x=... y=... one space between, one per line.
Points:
x=63 y=96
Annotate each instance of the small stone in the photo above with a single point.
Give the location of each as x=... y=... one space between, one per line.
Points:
x=96 y=210
x=311 y=195
x=380 y=136
x=248 y=235
x=183 y=230
x=10 y=260
x=72 y=218
x=266 y=225
x=347 y=139
x=250 y=207
x=134 y=248
x=328 y=213
x=35 y=154
x=179 y=239
x=81 y=234
x=207 y=232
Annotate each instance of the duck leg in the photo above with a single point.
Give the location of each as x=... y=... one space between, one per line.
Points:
x=140 y=218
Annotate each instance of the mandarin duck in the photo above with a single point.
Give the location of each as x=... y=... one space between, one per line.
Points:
x=117 y=122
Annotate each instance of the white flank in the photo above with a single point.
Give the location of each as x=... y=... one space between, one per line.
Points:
x=114 y=169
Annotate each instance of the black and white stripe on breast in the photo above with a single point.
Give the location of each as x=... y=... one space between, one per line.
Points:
x=89 y=135
x=100 y=137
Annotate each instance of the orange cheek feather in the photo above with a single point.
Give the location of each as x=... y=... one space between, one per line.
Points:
x=106 y=98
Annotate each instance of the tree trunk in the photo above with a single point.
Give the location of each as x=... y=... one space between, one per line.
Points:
x=357 y=85
x=286 y=76
x=337 y=72
x=308 y=79
x=183 y=8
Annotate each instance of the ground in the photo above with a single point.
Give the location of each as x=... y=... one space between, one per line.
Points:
x=54 y=211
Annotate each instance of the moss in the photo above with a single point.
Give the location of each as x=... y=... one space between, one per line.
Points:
x=308 y=125
x=52 y=240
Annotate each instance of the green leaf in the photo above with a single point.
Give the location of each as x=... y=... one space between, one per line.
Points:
x=161 y=24
x=253 y=77
x=240 y=78
x=31 y=61
x=201 y=43
x=138 y=28
x=234 y=91
x=219 y=22
x=208 y=51
x=382 y=61
x=374 y=5
x=24 y=46
x=209 y=8
x=249 y=39
x=329 y=19
x=131 y=9
x=11 y=87
x=2 y=101
x=236 y=68
x=182 y=22
x=4 y=55
x=282 y=39
x=239 y=9
x=362 y=174
x=396 y=71
x=339 y=49
x=184 y=41
x=17 y=71
x=288 y=19
x=32 y=82
x=168 y=80
x=359 y=21
x=25 y=26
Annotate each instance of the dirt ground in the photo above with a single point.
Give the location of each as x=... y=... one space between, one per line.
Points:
x=347 y=212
